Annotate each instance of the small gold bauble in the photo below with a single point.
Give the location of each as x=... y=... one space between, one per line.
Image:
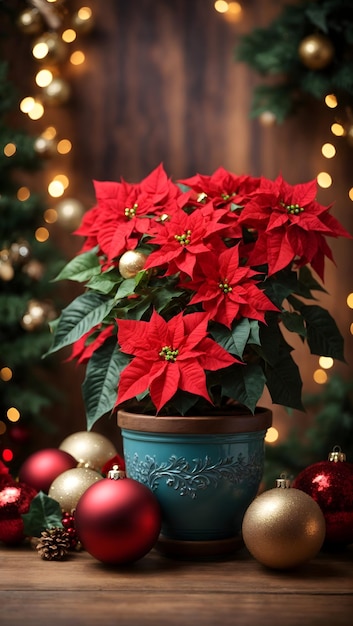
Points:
x=6 y=271
x=30 y=21
x=56 y=49
x=283 y=528
x=131 y=262
x=68 y=487
x=57 y=92
x=267 y=118
x=44 y=147
x=316 y=51
x=34 y=269
x=89 y=449
x=20 y=251
x=70 y=212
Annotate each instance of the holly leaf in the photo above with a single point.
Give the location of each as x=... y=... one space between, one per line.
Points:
x=44 y=512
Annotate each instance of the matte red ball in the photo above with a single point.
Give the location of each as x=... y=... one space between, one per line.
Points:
x=41 y=468
x=118 y=521
x=330 y=484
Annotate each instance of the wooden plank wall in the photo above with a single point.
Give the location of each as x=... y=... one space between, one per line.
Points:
x=160 y=84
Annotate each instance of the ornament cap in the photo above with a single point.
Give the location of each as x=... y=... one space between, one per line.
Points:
x=336 y=455
x=283 y=482
x=116 y=473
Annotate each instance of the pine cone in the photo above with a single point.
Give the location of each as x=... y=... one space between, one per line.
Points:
x=53 y=544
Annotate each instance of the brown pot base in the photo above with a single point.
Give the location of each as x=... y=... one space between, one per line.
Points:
x=198 y=550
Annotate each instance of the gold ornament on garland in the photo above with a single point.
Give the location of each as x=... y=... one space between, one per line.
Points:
x=30 y=21
x=316 y=51
x=70 y=212
x=131 y=262
x=69 y=486
x=267 y=118
x=20 y=251
x=34 y=269
x=283 y=527
x=57 y=92
x=7 y=271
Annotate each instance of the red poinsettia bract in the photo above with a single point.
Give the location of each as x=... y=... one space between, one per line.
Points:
x=184 y=237
x=168 y=356
x=291 y=226
x=227 y=291
x=126 y=211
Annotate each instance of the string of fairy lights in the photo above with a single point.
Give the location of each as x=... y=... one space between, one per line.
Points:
x=54 y=33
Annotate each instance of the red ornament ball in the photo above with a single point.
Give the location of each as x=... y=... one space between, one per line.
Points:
x=330 y=484
x=118 y=521
x=41 y=468
x=15 y=499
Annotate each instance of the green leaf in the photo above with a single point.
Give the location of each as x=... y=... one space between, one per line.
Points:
x=273 y=343
x=233 y=340
x=126 y=288
x=306 y=278
x=105 y=282
x=294 y=322
x=101 y=381
x=44 y=513
x=81 y=267
x=284 y=382
x=85 y=312
x=245 y=384
x=324 y=338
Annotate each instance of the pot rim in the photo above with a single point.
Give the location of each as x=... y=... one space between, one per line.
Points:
x=209 y=424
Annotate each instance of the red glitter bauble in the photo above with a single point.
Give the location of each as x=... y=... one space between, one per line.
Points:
x=41 y=468
x=118 y=521
x=15 y=499
x=330 y=483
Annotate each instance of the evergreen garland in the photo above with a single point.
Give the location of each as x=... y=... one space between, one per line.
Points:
x=273 y=53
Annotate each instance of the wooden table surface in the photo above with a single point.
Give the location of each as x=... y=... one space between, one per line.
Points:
x=159 y=591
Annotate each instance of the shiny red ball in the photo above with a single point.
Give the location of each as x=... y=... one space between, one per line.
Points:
x=118 y=521
x=41 y=468
x=15 y=499
x=330 y=484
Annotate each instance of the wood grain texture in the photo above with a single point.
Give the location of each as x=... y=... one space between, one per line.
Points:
x=159 y=591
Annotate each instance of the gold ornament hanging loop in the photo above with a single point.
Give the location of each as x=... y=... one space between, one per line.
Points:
x=336 y=455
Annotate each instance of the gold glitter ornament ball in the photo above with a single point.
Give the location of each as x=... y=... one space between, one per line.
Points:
x=90 y=449
x=131 y=262
x=69 y=486
x=316 y=51
x=283 y=528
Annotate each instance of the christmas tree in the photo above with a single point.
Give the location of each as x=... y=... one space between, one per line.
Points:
x=27 y=264
x=305 y=53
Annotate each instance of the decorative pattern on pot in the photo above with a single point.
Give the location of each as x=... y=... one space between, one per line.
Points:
x=204 y=483
x=189 y=479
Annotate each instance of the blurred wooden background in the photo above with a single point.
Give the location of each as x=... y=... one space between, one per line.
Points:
x=160 y=84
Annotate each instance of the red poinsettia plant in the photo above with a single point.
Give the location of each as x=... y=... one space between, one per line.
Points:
x=188 y=287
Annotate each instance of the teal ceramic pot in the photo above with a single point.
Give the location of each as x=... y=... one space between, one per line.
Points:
x=204 y=471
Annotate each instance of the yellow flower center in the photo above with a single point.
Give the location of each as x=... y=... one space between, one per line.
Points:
x=169 y=354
